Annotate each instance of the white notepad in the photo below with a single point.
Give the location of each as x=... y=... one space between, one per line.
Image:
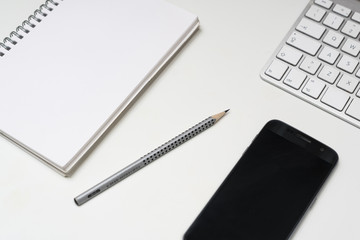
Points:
x=71 y=76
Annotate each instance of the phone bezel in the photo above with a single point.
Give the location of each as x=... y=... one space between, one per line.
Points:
x=303 y=140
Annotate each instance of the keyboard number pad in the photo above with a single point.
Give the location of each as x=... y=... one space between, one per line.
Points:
x=313 y=88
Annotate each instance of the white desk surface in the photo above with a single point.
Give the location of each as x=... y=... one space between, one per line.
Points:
x=218 y=69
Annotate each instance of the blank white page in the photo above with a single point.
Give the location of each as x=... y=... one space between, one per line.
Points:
x=73 y=71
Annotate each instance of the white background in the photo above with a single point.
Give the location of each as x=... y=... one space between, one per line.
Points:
x=217 y=69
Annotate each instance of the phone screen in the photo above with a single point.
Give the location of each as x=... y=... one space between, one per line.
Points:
x=269 y=189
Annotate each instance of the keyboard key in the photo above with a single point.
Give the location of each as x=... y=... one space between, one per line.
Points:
x=316 y=13
x=356 y=17
x=329 y=55
x=290 y=55
x=333 y=38
x=351 y=47
x=295 y=78
x=348 y=83
x=347 y=64
x=335 y=98
x=320 y=60
x=324 y=3
x=354 y=109
x=304 y=43
x=313 y=88
x=329 y=74
x=310 y=28
x=276 y=70
x=342 y=10
x=351 y=29
x=334 y=21
x=310 y=65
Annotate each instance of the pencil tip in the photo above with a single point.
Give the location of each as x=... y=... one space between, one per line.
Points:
x=219 y=115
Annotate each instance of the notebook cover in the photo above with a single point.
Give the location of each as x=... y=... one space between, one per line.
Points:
x=72 y=75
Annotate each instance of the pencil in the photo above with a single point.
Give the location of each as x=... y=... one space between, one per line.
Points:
x=148 y=158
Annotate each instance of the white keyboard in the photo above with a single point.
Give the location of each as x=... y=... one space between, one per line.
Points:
x=318 y=60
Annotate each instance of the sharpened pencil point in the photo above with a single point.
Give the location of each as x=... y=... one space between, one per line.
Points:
x=219 y=115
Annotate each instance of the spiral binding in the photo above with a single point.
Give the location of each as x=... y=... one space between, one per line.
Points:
x=26 y=25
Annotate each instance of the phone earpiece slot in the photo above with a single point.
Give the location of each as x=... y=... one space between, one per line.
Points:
x=303 y=137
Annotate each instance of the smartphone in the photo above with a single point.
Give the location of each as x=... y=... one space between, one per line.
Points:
x=270 y=188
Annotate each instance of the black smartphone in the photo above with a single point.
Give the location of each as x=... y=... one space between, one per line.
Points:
x=269 y=189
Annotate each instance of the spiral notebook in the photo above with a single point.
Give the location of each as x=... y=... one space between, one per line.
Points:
x=70 y=70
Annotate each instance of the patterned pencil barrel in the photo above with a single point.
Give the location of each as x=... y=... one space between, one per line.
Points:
x=178 y=140
x=148 y=158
